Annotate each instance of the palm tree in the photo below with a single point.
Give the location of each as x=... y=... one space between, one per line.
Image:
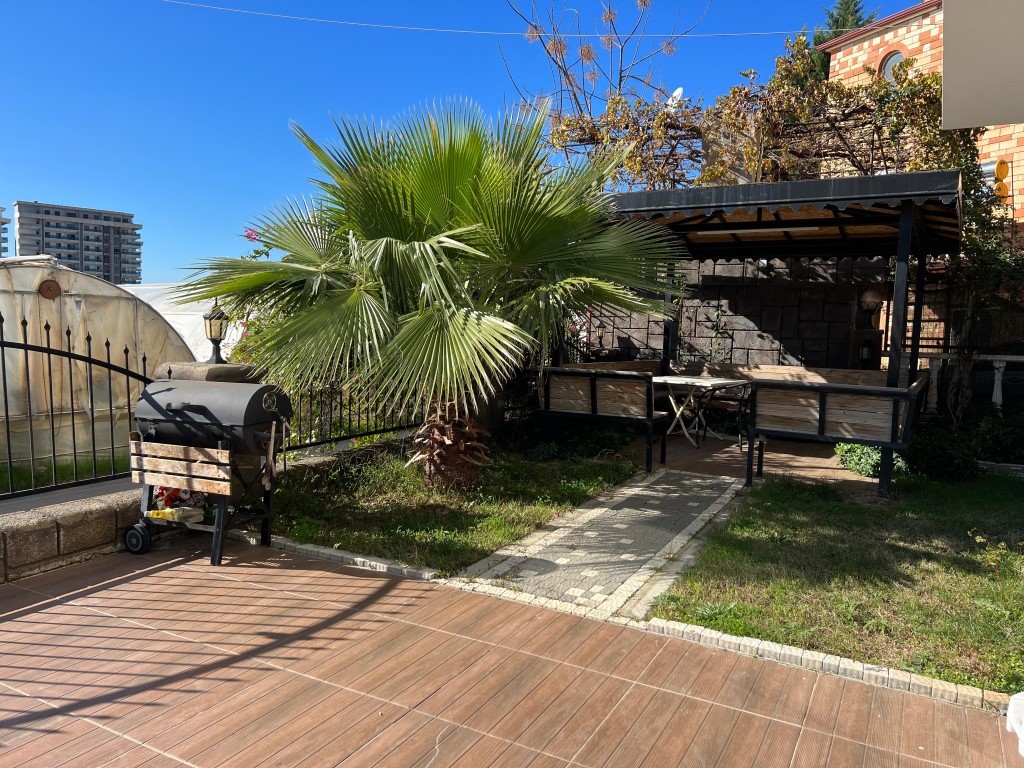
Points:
x=440 y=252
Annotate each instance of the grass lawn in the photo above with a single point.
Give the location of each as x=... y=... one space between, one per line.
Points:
x=21 y=477
x=383 y=508
x=930 y=583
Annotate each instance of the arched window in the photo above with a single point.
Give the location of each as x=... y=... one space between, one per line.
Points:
x=888 y=63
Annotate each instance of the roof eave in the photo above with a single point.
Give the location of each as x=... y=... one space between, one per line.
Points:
x=875 y=28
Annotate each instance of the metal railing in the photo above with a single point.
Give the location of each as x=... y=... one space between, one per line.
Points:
x=66 y=414
x=322 y=416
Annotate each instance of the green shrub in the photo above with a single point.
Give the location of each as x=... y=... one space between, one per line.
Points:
x=939 y=452
x=998 y=435
x=867 y=461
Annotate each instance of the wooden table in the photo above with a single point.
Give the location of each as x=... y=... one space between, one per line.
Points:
x=697 y=389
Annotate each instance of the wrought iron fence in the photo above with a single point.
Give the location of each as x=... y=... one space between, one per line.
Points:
x=68 y=402
x=323 y=416
x=66 y=413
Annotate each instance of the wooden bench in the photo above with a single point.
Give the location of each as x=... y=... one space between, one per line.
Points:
x=606 y=394
x=877 y=416
x=831 y=405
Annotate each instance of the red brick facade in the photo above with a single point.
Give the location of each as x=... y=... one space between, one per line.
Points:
x=917 y=33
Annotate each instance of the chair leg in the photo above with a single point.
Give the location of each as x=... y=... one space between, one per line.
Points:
x=760 y=457
x=750 y=460
x=650 y=446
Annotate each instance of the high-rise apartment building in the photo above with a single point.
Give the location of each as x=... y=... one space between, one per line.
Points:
x=3 y=231
x=102 y=243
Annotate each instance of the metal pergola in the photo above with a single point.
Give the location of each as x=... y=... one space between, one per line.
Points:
x=892 y=217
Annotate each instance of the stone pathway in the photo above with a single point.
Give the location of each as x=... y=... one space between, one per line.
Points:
x=613 y=555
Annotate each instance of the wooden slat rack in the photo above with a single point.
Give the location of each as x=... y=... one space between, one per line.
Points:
x=233 y=479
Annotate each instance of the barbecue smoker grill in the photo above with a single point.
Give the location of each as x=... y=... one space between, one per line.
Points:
x=217 y=438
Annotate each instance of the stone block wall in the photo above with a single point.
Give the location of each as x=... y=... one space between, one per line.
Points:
x=50 y=537
x=809 y=325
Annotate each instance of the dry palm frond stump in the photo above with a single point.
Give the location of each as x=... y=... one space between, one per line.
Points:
x=450 y=448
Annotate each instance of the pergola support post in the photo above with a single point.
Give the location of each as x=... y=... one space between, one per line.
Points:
x=899 y=327
x=915 y=338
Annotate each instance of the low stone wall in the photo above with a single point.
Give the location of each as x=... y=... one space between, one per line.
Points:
x=50 y=537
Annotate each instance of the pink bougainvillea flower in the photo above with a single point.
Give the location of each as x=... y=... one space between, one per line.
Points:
x=251 y=235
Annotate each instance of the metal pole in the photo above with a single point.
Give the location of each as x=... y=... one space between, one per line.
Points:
x=899 y=328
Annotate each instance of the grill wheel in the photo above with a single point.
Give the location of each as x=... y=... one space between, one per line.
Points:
x=137 y=539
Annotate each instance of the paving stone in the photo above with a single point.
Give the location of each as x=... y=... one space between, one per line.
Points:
x=899 y=679
x=943 y=690
x=750 y=645
x=791 y=655
x=876 y=675
x=995 y=701
x=830 y=664
x=852 y=669
x=813 y=660
x=969 y=696
x=922 y=685
x=769 y=650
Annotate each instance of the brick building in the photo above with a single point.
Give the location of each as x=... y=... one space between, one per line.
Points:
x=917 y=33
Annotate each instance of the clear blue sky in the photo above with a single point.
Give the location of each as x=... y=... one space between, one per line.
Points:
x=180 y=115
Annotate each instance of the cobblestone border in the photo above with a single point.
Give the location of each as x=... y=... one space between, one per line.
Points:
x=886 y=677
x=334 y=555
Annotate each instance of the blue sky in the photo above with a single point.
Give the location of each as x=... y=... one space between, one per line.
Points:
x=180 y=115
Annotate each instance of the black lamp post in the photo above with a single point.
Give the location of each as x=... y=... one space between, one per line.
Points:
x=216 y=323
x=600 y=333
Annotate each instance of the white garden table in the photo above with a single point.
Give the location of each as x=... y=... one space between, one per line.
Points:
x=697 y=389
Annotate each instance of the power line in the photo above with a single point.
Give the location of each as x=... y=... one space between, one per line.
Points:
x=501 y=33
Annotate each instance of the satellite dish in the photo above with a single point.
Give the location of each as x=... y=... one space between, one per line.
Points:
x=676 y=98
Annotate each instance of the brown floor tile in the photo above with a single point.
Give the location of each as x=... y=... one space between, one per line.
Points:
x=228 y=667
x=607 y=738
x=741 y=681
x=343 y=711
x=505 y=707
x=854 y=714
x=592 y=713
x=678 y=734
x=791 y=706
x=825 y=703
x=917 y=732
x=811 y=750
x=983 y=738
x=767 y=689
x=745 y=743
x=709 y=682
x=639 y=741
x=778 y=745
x=564 y=705
x=886 y=716
x=845 y=754
x=711 y=740
x=535 y=705
x=420 y=746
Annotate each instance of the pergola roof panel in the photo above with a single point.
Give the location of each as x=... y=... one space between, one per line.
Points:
x=853 y=216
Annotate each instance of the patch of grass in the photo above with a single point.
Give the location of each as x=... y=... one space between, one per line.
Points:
x=930 y=583
x=21 y=473
x=381 y=507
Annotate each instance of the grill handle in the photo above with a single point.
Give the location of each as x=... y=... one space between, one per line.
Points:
x=185 y=407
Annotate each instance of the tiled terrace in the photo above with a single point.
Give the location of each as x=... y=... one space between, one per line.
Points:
x=276 y=660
